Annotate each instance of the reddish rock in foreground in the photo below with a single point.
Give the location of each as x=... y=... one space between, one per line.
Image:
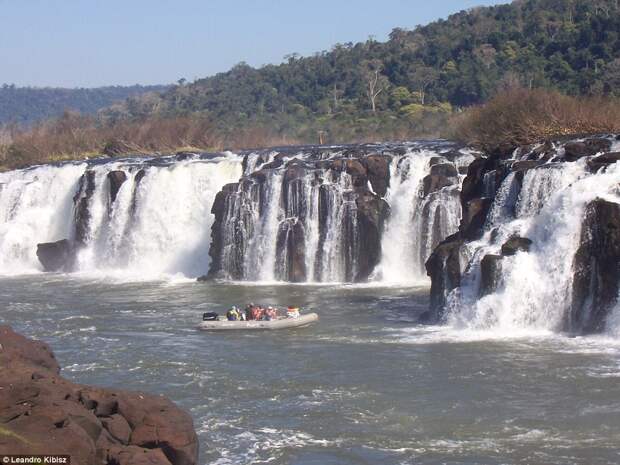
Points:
x=43 y=413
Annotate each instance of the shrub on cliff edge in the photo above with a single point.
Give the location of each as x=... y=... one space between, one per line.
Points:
x=522 y=116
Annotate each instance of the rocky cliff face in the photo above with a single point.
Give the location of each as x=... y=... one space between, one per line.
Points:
x=42 y=413
x=319 y=213
x=539 y=233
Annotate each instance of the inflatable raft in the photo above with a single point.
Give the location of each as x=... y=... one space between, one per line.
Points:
x=280 y=323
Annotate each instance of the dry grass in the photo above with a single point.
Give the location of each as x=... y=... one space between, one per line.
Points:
x=75 y=137
x=520 y=116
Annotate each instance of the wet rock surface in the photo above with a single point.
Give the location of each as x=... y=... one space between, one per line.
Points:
x=55 y=256
x=321 y=195
x=43 y=413
x=596 y=263
x=596 y=268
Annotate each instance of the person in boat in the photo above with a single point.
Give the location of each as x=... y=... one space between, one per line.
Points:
x=292 y=312
x=232 y=314
x=256 y=312
x=248 y=311
x=270 y=313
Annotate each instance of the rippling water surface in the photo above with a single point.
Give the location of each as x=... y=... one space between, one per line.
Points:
x=365 y=385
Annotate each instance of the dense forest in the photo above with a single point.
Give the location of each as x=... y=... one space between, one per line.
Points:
x=408 y=85
x=27 y=105
x=541 y=67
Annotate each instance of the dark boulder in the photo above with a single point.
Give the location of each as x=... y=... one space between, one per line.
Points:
x=602 y=161
x=447 y=170
x=516 y=244
x=473 y=184
x=291 y=251
x=576 y=150
x=43 y=413
x=372 y=211
x=490 y=274
x=433 y=183
x=116 y=180
x=55 y=256
x=444 y=269
x=596 y=268
x=378 y=168
x=81 y=207
x=474 y=217
x=525 y=165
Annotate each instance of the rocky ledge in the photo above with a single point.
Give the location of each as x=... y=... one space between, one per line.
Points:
x=500 y=177
x=43 y=413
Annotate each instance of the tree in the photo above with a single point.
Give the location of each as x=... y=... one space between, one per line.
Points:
x=422 y=77
x=376 y=82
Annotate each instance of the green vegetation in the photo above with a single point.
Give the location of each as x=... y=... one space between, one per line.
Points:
x=27 y=105
x=407 y=86
x=414 y=85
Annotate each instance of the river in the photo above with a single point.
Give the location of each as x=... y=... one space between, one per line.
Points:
x=365 y=385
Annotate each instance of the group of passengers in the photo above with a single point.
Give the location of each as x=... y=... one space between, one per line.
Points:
x=259 y=313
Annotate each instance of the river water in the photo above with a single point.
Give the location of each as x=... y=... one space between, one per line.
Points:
x=365 y=385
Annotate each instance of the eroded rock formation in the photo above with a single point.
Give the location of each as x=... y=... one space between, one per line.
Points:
x=43 y=413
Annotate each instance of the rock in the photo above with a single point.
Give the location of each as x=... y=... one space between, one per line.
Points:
x=378 y=167
x=525 y=165
x=46 y=414
x=474 y=217
x=444 y=269
x=490 y=274
x=291 y=251
x=437 y=160
x=372 y=212
x=516 y=244
x=116 y=179
x=596 y=268
x=604 y=160
x=433 y=183
x=576 y=150
x=118 y=427
x=447 y=170
x=473 y=184
x=55 y=256
x=81 y=202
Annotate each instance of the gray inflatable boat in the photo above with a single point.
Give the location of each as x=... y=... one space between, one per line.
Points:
x=280 y=323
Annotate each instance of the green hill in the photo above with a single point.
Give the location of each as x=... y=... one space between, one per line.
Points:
x=408 y=84
x=27 y=105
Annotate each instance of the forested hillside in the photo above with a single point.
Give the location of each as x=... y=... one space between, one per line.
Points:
x=407 y=85
x=27 y=105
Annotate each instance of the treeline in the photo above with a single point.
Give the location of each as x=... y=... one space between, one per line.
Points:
x=408 y=85
x=24 y=106
x=425 y=82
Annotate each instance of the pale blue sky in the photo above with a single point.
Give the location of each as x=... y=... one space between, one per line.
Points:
x=86 y=43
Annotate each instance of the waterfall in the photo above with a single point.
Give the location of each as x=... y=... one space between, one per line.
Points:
x=156 y=222
x=298 y=214
x=419 y=220
x=536 y=289
x=35 y=206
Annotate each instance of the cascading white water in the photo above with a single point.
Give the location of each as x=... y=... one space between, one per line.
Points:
x=534 y=293
x=160 y=219
x=160 y=225
x=35 y=206
x=171 y=224
x=261 y=263
x=338 y=252
x=408 y=238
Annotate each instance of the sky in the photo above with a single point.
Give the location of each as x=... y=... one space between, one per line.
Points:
x=90 y=43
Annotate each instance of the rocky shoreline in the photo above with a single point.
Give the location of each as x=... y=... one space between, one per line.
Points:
x=43 y=413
